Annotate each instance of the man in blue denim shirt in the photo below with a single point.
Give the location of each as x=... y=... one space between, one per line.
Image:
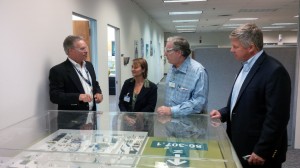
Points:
x=186 y=82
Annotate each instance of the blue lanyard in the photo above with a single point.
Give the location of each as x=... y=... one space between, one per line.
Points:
x=87 y=73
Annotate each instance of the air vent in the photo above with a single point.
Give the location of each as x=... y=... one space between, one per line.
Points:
x=224 y=15
x=258 y=10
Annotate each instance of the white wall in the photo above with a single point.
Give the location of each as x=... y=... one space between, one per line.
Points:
x=31 y=43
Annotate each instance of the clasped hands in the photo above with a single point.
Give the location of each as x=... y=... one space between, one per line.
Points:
x=88 y=98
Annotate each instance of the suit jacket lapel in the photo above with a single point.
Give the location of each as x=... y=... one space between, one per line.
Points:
x=142 y=93
x=73 y=76
x=251 y=74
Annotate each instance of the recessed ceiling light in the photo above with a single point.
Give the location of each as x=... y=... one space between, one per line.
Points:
x=243 y=19
x=168 y=1
x=273 y=27
x=185 y=13
x=296 y=16
x=186 y=29
x=231 y=25
x=283 y=24
x=185 y=26
x=185 y=21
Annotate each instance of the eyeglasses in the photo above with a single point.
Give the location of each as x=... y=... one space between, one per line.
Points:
x=167 y=50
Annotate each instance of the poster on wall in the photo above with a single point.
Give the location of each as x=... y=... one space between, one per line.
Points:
x=136 y=50
x=142 y=48
x=151 y=48
x=147 y=50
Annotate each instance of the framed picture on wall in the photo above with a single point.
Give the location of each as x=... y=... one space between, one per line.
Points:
x=147 y=50
x=142 y=48
x=151 y=48
x=136 y=48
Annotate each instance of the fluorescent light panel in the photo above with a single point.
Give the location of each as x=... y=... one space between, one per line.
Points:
x=283 y=24
x=186 y=29
x=243 y=19
x=231 y=25
x=185 y=13
x=185 y=26
x=170 y=1
x=273 y=27
x=180 y=21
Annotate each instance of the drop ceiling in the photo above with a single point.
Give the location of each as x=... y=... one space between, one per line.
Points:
x=216 y=13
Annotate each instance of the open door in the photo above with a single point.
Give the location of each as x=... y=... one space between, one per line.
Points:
x=82 y=28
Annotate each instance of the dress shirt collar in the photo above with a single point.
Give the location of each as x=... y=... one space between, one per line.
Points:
x=75 y=64
x=184 y=66
x=247 y=65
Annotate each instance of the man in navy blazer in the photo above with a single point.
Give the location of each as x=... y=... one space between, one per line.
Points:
x=73 y=84
x=258 y=109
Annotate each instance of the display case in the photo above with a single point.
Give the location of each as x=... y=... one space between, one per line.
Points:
x=75 y=139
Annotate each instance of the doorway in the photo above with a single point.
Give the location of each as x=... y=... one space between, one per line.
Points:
x=113 y=54
x=87 y=28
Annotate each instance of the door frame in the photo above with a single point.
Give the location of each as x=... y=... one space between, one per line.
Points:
x=117 y=60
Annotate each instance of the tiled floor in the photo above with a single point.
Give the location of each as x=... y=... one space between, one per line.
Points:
x=113 y=103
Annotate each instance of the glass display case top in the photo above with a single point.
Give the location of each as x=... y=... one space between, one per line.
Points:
x=116 y=139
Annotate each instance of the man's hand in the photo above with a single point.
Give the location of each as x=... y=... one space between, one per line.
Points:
x=85 y=98
x=254 y=159
x=164 y=110
x=98 y=97
x=215 y=114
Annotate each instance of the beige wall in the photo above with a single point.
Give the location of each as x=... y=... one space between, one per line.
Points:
x=31 y=43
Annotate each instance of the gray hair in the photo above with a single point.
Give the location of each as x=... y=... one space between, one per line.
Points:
x=181 y=44
x=69 y=42
x=248 y=34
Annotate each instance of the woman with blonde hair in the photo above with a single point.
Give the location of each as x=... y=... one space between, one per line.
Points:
x=138 y=94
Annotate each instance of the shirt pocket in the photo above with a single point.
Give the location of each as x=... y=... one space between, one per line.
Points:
x=181 y=94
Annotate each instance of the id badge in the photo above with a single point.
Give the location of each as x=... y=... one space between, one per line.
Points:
x=172 y=84
x=127 y=98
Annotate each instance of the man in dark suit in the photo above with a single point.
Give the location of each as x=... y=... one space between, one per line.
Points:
x=258 y=109
x=73 y=84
